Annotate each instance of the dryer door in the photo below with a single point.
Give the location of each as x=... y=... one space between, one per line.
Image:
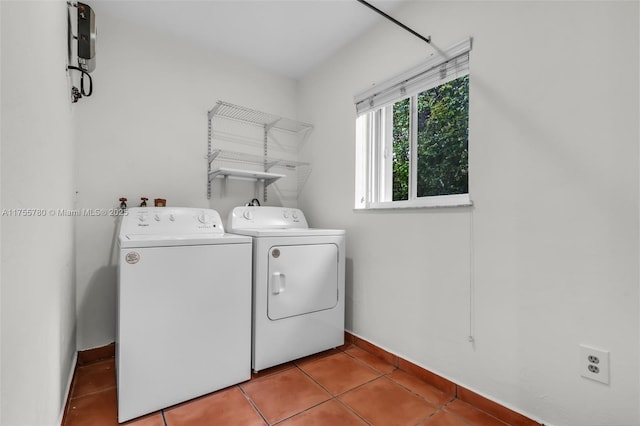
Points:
x=302 y=279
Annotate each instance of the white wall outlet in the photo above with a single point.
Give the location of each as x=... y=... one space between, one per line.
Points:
x=594 y=364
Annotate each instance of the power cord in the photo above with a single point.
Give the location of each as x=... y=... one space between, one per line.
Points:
x=82 y=91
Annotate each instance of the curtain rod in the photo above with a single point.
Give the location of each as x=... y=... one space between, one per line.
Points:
x=395 y=21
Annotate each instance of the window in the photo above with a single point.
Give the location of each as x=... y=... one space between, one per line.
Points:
x=412 y=136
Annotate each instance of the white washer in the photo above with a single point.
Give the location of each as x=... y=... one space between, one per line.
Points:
x=184 y=308
x=298 y=284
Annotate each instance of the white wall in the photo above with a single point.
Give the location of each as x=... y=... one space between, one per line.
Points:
x=38 y=289
x=1 y=204
x=548 y=254
x=554 y=169
x=144 y=133
x=1 y=398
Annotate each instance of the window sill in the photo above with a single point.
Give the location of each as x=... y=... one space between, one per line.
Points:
x=442 y=201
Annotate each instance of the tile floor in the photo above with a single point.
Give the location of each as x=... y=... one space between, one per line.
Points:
x=346 y=386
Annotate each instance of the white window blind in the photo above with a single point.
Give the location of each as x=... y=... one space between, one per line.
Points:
x=440 y=68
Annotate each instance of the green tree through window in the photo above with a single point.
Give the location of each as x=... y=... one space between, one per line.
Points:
x=442 y=141
x=401 y=149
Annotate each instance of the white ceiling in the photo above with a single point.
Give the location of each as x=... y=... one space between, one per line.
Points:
x=288 y=37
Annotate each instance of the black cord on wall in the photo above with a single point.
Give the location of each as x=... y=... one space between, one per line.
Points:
x=84 y=72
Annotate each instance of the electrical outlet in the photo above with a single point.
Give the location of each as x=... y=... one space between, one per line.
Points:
x=594 y=364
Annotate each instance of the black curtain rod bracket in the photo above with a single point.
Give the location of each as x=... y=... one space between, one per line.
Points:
x=395 y=21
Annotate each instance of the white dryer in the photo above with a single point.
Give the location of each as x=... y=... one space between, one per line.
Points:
x=184 y=308
x=298 y=284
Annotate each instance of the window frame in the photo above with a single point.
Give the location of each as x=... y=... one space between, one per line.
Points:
x=374 y=142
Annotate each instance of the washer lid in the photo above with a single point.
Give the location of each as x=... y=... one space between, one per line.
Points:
x=146 y=240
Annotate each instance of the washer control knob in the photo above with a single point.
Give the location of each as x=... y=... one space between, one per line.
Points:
x=203 y=218
x=157 y=217
x=294 y=214
x=142 y=218
x=247 y=214
x=172 y=217
x=285 y=213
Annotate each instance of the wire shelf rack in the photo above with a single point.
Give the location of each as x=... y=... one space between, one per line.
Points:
x=218 y=158
x=252 y=116
x=241 y=157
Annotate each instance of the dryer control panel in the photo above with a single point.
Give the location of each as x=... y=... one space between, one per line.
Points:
x=170 y=221
x=256 y=217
